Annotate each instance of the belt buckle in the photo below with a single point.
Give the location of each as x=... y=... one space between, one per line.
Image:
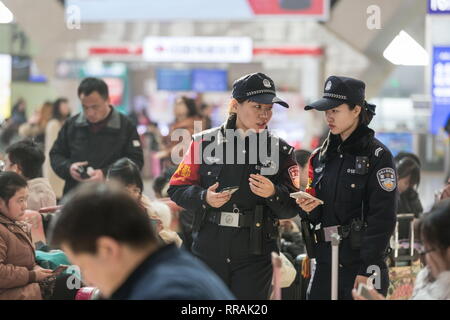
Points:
x=329 y=231
x=229 y=219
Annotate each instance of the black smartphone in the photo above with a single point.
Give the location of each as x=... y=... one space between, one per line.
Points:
x=82 y=170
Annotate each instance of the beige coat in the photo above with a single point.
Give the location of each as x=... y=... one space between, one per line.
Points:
x=51 y=133
x=17 y=260
x=40 y=194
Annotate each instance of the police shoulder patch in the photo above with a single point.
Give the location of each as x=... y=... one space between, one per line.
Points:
x=294 y=174
x=386 y=179
x=377 y=152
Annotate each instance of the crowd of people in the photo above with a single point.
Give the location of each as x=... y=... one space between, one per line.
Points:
x=211 y=228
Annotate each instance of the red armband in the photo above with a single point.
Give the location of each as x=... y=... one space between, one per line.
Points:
x=187 y=171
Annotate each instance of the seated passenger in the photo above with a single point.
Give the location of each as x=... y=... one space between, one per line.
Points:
x=19 y=273
x=26 y=158
x=118 y=252
x=433 y=281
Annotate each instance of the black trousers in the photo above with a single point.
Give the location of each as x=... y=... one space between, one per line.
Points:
x=248 y=279
x=321 y=282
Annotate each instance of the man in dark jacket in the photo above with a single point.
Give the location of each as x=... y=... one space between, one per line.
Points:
x=95 y=138
x=119 y=253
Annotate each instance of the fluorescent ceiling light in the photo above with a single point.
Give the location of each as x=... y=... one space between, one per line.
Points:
x=6 y=15
x=404 y=50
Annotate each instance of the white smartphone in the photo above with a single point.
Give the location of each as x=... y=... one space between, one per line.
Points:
x=231 y=190
x=364 y=291
x=304 y=195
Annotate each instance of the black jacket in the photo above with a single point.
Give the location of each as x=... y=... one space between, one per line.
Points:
x=190 y=182
x=349 y=193
x=76 y=143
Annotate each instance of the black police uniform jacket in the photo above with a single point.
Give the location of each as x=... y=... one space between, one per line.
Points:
x=189 y=184
x=355 y=179
x=75 y=143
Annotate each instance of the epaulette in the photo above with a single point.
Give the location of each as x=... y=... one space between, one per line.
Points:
x=285 y=147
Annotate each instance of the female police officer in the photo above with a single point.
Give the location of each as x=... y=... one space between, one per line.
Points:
x=353 y=173
x=238 y=231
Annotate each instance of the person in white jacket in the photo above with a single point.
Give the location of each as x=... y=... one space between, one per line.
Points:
x=433 y=281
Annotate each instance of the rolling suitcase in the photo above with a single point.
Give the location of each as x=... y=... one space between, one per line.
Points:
x=405 y=263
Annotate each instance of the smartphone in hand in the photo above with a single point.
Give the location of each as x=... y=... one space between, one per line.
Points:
x=364 y=291
x=304 y=195
x=231 y=190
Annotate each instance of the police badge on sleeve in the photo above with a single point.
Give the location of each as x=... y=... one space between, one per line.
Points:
x=386 y=179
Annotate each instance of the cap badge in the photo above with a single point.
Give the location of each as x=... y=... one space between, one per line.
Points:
x=328 y=86
x=266 y=83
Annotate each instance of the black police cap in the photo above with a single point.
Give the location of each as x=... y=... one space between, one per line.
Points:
x=339 y=90
x=257 y=87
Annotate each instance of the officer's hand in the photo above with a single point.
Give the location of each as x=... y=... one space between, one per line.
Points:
x=217 y=199
x=261 y=186
x=307 y=205
x=73 y=170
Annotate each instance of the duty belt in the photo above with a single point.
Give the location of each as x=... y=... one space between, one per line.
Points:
x=230 y=219
x=324 y=234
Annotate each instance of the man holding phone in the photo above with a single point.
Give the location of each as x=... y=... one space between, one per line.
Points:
x=92 y=140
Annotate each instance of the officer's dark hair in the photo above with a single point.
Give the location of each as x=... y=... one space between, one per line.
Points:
x=434 y=226
x=29 y=156
x=302 y=157
x=401 y=155
x=365 y=116
x=10 y=183
x=190 y=105
x=408 y=167
x=239 y=100
x=127 y=172
x=56 y=111
x=95 y=210
x=89 y=85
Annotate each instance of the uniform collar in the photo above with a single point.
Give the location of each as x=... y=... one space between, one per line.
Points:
x=231 y=124
x=113 y=119
x=356 y=143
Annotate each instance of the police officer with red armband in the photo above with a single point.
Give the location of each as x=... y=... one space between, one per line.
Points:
x=237 y=178
x=354 y=175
